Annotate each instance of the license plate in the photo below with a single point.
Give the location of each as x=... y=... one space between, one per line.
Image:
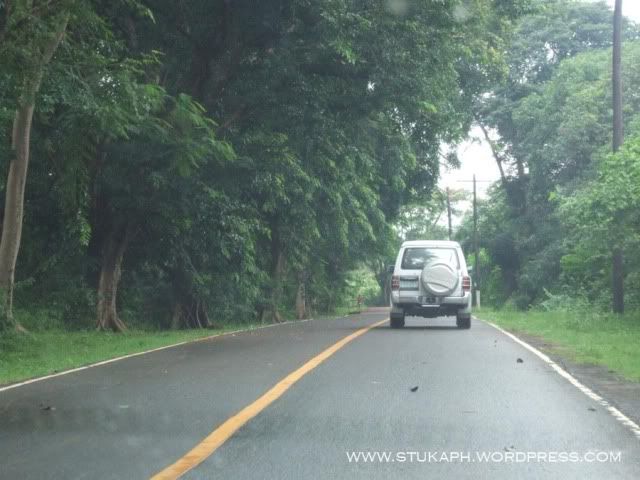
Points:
x=429 y=300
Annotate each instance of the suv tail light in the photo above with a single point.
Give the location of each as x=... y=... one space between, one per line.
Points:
x=395 y=282
x=466 y=283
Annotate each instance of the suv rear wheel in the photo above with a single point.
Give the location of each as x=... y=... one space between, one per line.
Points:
x=463 y=321
x=397 y=321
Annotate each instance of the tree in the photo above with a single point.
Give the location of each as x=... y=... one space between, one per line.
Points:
x=542 y=40
x=547 y=126
x=29 y=39
x=604 y=212
x=240 y=158
x=135 y=195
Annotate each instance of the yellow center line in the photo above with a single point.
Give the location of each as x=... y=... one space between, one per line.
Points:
x=215 y=439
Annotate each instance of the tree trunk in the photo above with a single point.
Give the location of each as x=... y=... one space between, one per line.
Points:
x=204 y=313
x=271 y=312
x=190 y=314
x=17 y=176
x=496 y=153
x=383 y=277
x=618 y=127
x=177 y=318
x=14 y=207
x=515 y=190
x=111 y=269
x=301 y=300
x=276 y=286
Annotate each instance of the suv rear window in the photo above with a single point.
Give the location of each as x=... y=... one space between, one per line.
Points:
x=417 y=258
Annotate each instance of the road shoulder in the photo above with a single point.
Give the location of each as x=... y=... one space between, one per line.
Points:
x=618 y=391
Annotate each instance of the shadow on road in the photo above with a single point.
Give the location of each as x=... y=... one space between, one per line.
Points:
x=406 y=327
x=422 y=327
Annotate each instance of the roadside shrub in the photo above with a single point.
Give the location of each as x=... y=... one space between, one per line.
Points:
x=565 y=302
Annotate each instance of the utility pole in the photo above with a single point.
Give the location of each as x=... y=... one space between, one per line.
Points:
x=476 y=282
x=476 y=247
x=449 y=211
x=617 y=279
x=618 y=127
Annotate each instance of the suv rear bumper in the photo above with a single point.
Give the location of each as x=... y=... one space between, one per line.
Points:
x=410 y=305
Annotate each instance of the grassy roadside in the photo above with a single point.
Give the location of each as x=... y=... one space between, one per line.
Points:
x=49 y=351
x=588 y=337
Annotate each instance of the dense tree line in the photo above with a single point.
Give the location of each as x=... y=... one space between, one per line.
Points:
x=563 y=200
x=194 y=162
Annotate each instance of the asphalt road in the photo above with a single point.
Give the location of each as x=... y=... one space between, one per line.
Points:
x=132 y=418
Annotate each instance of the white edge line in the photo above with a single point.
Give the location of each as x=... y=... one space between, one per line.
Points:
x=137 y=354
x=617 y=414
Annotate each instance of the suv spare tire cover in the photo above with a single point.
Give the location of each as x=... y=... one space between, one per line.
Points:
x=439 y=278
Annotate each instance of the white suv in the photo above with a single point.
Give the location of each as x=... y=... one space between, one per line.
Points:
x=430 y=279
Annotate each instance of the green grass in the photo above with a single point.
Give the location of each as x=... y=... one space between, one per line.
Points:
x=588 y=337
x=24 y=356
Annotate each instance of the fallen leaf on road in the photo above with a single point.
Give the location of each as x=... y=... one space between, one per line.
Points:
x=414 y=389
